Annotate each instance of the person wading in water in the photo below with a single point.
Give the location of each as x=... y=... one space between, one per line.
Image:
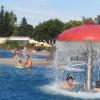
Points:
x=28 y=62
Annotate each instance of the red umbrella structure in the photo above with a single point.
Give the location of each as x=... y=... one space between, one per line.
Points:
x=83 y=33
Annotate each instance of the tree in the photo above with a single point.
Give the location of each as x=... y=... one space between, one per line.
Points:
x=87 y=20
x=97 y=19
x=48 y=30
x=24 y=29
x=24 y=21
x=71 y=24
x=7 y=22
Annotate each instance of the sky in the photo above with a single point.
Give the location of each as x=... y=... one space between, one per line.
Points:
x=37 y=11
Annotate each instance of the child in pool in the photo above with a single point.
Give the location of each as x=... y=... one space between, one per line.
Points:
x=69 y=84
x=20 y=63
x=97 y=86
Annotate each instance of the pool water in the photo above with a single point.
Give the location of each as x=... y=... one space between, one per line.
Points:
x=21 y=84
x=8 y=54
x=28 y=84
x=5 y=54
x=34 y=56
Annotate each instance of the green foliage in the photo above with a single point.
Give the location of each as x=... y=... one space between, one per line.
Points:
x=42 y=47
x=71 y=24
x=9 y=45
x=87 y=20
x=24 y=29
x=97 y=19
x=48 y=30
x=24 y=21
x=7 y=22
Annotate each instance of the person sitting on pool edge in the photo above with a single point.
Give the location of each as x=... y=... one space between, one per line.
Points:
x=20 y=63
x=97 y=86
x=69 y=84
x=28 y=62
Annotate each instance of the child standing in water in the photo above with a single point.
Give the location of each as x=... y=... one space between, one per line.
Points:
x=20 y=63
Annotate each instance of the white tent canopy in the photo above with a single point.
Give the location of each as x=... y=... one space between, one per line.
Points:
x=33 y=41
x=19 y=38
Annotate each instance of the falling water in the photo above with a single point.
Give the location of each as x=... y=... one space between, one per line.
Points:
x=71 y=59
x=96 y=69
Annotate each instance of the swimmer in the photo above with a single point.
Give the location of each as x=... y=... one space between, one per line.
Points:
x=69 y=84
x=97 y=86
x=20 y=63
x=28 y=62
x=16 y=54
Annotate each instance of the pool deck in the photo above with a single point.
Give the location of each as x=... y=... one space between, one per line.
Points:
x=36 y=62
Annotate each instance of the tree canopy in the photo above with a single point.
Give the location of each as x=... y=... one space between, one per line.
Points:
x=48 y=30
x=71 y=24
x=7 y=22
x=24 y=29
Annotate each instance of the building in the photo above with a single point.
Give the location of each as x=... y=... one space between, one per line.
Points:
x=3 y=39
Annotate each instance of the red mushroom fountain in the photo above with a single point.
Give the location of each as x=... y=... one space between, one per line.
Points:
x=85 y=33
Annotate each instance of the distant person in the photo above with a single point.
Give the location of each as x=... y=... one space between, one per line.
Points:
x=20 y=63
x=16 y=54
x=68 y=84
x=28 y=62
x=97 y=88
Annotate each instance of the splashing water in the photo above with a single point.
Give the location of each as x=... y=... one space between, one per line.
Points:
x=55 y=90
x=69 y=56
x=71 y=59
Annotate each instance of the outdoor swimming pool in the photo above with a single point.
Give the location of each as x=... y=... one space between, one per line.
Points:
x=21 y=84
x=8 y=54
x=37 y=83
